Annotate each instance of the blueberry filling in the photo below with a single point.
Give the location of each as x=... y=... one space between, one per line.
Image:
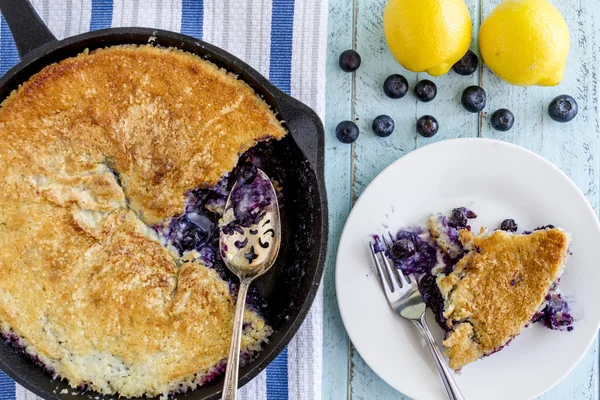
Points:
x=433 y=299
x=419 y=256
x=556 y=315
x=248 y=200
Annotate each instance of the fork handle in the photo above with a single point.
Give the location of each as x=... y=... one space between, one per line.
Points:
x=446 y=373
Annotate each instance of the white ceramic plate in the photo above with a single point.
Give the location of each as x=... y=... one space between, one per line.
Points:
x=497 y=180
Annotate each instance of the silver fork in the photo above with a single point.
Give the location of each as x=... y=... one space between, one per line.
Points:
x=406 y=301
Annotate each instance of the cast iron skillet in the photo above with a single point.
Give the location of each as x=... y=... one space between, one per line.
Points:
x=290 y=287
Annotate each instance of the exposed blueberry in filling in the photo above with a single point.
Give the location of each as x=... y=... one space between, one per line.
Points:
x=502 y=120
x=509 y=225
x=473 y=99
x=427 y=126
x=425 y=90
x=346 y=132
x=395 y=86
x=349 y=61
x=247 y=174
x=402 y=249
x=545 y=227
x=192 y=238
x=459 y=218
x=563 y=108
x=423 y=258
x=467 y=65
x=383 y=126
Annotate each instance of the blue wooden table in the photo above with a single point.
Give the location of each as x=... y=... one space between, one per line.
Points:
x=574 y=147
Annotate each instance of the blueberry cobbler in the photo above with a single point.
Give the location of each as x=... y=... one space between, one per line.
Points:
x=115 y=166
x=485 y=288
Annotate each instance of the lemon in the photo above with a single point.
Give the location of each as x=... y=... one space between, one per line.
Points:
x=427 y=35
x=525 y=42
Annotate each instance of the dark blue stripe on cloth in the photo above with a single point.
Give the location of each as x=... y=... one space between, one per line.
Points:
x=9 y=56
x=277 y=377
x=282 y=32
x=102 y=13
x=7 y=387
x=192 y=18
x=280 y=73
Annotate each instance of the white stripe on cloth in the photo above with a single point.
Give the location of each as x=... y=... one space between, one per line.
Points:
x=310 y=53
x=168 y=15
x=256 y=389
x=23 y=394
x=65 y=18
x=242 y=27
x=305 y=352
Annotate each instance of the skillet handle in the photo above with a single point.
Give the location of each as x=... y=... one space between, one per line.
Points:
x=29 y=31
x=306 y=128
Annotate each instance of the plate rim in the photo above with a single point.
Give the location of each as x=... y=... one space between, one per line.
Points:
x=417 y=152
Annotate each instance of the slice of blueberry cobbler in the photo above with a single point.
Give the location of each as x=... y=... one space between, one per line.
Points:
x=484 y=289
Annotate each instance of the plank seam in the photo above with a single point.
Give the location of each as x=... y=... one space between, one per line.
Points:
x=353 y=196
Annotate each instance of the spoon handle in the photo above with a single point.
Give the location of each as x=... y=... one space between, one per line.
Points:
x=231 y=375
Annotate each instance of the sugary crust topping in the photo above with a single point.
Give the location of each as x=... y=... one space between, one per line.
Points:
x=94 y=149
x=497 y=287
x=164 y=119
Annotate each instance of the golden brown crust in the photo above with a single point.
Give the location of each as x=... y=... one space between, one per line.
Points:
x=166 y=120
x=497 y=287
x=93 y=149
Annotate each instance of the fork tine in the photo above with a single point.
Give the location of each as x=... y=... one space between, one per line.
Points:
x=404 y=279
x=391 y=236
x=396 y=278
x=382 y=275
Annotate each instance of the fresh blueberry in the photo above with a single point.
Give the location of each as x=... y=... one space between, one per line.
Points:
x=563 y=108
x=425 y=90
x=466 y=65
x=473 y=99
x=346 y=132
x=403 y=248
x=383 y=125
x=509 y=225
x=427 y=126
x=395 y=86
x=502 y=120
x=349 y=61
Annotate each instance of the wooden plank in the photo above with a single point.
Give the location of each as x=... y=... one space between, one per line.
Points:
x=372 y=154
x=338 y=181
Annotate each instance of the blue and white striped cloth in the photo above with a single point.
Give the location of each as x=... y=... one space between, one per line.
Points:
x=284 y=40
